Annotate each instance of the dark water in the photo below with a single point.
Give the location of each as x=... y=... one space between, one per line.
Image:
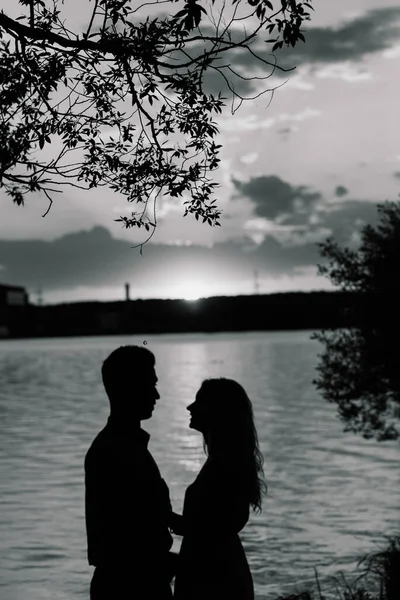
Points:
x=331 y=495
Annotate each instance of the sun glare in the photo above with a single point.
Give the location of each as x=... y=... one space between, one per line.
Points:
x=191 y=291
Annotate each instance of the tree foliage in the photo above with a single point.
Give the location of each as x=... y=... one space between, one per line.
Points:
x=359 y=369
x=121 y=103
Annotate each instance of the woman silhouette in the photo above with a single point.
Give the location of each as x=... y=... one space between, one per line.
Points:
x=212 y=563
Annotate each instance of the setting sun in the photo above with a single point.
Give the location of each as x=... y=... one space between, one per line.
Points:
x=191 y=291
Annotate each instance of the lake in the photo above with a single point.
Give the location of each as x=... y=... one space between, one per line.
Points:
x=332 y=496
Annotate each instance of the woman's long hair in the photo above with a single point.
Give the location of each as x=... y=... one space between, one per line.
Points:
x=232 y=435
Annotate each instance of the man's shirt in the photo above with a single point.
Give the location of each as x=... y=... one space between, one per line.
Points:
x=127 y=501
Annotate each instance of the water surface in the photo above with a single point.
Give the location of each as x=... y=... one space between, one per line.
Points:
x=331 y=495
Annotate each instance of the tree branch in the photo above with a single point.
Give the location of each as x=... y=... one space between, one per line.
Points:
x=32 y=14
x=96 y=2
x=45 y=35
x=76 y=85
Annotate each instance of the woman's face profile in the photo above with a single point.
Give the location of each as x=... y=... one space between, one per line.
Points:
x=199 y=413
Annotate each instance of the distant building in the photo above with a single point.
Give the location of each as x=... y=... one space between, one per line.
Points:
x=14 y=302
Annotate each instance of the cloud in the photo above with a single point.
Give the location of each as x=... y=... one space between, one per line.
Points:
x=252 y=123
x=345 y=71
x=272 y=197
x=94 y=259
x=345 y=219
x=393 y=52
x=374 y=31
x=214 y=83
x=298 y=215
x=94 y=265
x=285 y=131
x=258 y=229
x=248 y=159
x=342 y=219
x=341 y=191
x=274 y=258
x=220 y=76
x=397 y=174
x=287 y=248
x=91 y=263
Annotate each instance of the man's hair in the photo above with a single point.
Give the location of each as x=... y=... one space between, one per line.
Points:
x=123 y=363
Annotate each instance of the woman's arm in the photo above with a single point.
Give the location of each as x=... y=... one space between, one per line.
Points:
x=176 y=524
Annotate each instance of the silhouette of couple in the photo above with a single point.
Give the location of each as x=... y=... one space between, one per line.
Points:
x=129 y=517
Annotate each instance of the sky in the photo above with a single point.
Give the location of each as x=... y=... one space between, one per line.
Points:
x=312 y=163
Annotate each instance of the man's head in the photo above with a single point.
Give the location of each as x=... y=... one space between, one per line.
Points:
x=130 y=379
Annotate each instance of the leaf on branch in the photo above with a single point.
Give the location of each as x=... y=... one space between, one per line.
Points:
x=277 y=46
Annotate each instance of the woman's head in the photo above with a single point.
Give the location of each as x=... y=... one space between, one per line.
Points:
x=223 y=413
x=221 y=405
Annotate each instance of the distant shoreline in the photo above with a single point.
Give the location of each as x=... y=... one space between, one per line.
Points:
x=264 y=312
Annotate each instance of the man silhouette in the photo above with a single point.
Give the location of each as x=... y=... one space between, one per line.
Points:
x=127 y=502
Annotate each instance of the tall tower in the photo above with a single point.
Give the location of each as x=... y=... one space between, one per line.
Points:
x=127 y=287
x=256 y=282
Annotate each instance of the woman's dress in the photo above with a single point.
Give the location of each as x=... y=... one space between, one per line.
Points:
x=212 y=564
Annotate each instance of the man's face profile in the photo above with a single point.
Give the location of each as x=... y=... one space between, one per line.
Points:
x=147 y=393
x=130 y=380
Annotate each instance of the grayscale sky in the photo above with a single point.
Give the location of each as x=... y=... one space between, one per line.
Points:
x=314 y=163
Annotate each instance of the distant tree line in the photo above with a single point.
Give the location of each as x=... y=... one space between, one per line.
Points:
x=271 y=312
